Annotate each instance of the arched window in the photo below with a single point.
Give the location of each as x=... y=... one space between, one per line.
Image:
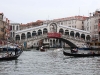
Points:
x=39 y=32
x=61 y=31
x=45 y=31
x=72 y=33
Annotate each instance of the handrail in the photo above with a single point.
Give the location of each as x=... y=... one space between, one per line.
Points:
x=63 y=36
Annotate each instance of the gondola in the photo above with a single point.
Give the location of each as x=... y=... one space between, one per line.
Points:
x=13 y=57
x=79 y=55
x=42 y=50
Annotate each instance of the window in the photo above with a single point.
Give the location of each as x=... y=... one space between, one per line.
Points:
x=10 y=27
x=13 y=34
x=13 y=28
x=2 y=29
x=61 y=23
x=82 y=22
x=17 y=28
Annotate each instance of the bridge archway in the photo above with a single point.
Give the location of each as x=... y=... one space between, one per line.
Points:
x=83 y=36
x=72 y=33
x=61 y=31
x=77 y=35
x=88 y=37
x=23 y=36
x=45 y=31
x=66 y=32
x=58 y=36
x=17 y=37
x=39 y=32
x=33 y=33
x=28 y=35
x=67 y=42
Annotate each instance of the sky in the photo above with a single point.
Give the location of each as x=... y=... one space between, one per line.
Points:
x=25 y=11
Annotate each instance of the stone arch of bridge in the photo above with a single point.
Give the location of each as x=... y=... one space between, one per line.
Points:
x=45 y=31
x=28 y=35
x=77 y=34
x=67 y=32
x=34 y=33
x=61 y=31
x=64 y=40
x=67 y=42
x=17 y=37
x=23 y=36
x=72 y=33
x=39 y=32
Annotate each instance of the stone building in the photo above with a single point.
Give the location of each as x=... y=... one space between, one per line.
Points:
x=4 y=28
x=73 y=22
x=31 y=24
x=92 y=24
x=13 y=28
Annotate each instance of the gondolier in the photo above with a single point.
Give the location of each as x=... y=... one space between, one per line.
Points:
x=42 y=48
x=16 y=51
x=74 y=50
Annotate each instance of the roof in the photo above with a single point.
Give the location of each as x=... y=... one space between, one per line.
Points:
x=73 y=17
x=31 y=28
x=46 y=25
x=74 y=29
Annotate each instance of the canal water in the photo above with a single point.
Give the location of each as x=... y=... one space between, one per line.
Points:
x=50 y=63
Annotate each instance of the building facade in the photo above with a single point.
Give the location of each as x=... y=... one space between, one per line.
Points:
x=13 y=28
x=4 y=28
x=73 y=22
x=92 y=24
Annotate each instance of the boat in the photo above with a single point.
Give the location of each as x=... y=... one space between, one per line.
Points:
x=9 y=47
x=42 y=49
x=84 y=48
x=79 y=55
x=13 y=57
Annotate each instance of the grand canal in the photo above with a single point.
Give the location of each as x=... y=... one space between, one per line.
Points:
x=50 y=63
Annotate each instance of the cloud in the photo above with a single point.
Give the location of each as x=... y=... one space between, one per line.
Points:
x=31 y=10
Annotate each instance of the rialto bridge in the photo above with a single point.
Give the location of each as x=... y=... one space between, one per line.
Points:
x=68 y=36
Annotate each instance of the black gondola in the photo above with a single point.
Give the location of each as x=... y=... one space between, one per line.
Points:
x=13 y=57
x=42 y=49
x=79 y=55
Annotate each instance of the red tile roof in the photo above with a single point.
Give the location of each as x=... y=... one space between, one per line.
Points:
x=73 y=17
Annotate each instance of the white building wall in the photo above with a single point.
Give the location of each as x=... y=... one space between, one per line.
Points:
x=91 y=25
x=14 y=29
x=72 y=22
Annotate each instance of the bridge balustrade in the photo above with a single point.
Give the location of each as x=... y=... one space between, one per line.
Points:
x=74 y=38
x=62 y=36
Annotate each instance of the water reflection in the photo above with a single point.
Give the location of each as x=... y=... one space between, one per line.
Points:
x=16 y=62
x=50 y=63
